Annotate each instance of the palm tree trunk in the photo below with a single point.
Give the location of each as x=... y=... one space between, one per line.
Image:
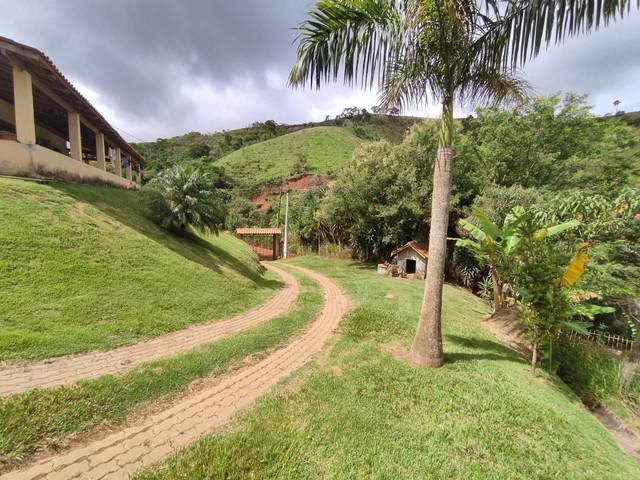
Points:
x=427 y=345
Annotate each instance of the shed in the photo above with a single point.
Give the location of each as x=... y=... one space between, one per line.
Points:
x=264 y=241
x=411 y=259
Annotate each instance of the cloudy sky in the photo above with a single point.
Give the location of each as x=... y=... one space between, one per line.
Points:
x=157 y=68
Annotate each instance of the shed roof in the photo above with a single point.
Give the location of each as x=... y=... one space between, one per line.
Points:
x=420 y=248
x=40 y=66
x=258 y=231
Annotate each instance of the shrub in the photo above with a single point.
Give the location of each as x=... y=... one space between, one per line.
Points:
x=198 y=150
x=183 y=197
x=634 y=390
x=589 y=368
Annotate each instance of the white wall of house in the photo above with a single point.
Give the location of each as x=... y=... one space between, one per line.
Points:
x=410 y=254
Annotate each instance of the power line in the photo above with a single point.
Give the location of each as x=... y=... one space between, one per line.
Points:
x=120 y=130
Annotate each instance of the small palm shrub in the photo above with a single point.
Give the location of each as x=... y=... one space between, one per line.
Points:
x=485 y=288
x=184 y=197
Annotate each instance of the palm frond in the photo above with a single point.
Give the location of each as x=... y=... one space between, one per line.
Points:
x=409 y=81
x=516 y=34
x=492 y=86
x=356 y=37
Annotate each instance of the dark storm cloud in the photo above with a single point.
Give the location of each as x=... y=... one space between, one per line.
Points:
x=142 y=51
x=161 y=67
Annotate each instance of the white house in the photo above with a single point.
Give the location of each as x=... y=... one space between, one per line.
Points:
x=408 y=261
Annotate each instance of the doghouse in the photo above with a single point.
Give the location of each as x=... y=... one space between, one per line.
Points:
x=409 y=261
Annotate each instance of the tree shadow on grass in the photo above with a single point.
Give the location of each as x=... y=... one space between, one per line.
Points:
x=482 y=349
x=117 y=204
x=490 y=350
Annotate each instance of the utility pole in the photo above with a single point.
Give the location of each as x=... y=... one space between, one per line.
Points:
x=279 y=208
x=286 y=224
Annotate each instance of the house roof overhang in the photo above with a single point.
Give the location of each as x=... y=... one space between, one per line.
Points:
x=40 y=66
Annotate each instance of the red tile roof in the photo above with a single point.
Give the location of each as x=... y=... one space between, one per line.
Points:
x=258 y=231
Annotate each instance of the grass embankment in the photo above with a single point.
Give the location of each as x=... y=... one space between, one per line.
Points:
x=362 y=413
x=82 y=268
x=44 y=418
x=326 y=148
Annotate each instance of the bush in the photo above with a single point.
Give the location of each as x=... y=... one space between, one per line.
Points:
x=591 y=370
x=198 y=150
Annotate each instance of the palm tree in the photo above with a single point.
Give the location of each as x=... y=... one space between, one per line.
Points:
x=616 y=104
x=449 y=51
x=182 y=197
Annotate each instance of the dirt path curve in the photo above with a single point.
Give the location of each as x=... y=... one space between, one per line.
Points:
x=71 y=368
x=120 y=454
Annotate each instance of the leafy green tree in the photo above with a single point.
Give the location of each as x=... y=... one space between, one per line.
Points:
x=537 y=268
x=611 y=223
x=551 y=142
x=242 y=212
x=378 y=200
x=181 y=198
x=271 y=126
x=536 y=271
x=308 y=223
x=198 y=150
x=448 y=50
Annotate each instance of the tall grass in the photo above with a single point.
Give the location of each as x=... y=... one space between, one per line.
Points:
x=592 y=370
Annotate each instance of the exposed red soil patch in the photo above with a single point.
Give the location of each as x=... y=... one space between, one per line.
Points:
x=303 y=182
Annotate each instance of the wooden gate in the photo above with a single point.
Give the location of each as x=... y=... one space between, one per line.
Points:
x=264 y=241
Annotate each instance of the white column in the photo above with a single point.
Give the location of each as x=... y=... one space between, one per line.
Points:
x=139 y=174
x=128 y=169
x=117 y=161
x=75 y=139
x=286 y=225
x=100 y=156
x=23 y=103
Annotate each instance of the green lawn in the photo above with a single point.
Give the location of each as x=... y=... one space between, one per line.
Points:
x=82 y=268
x=327 y=148
x=358 y=412
x=47 y=417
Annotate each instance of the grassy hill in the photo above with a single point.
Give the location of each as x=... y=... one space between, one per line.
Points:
x=326 y=149
x=82 y=268
x=211 y=147
x=361 y=411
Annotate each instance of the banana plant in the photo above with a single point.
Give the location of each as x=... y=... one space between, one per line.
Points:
x=582 y=309
x=494 y=245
